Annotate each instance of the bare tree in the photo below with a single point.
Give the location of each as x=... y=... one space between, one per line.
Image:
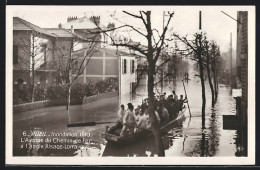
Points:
x=152 y=52
x=195 y=50
x=33 y=45
x=209 y=68
x=216 y=66
x=70 y=67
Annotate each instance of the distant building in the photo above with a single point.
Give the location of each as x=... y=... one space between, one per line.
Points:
x=242 y=80
x=89 y=28
x=242 y=59
x=49 y=46
x=71 y=41
x=105 y=63
x=25 y=35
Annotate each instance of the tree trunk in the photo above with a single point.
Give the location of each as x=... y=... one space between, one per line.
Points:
x=210 y=83
x=151 y=110
x=68 y=98
x=202 y=84
x=33 y=65
x=215 y=83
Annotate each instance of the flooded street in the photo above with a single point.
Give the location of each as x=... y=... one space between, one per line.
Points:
x=186 y=140
x=189 y=139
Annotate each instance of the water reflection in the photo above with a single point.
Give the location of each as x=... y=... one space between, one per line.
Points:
x=142 y=148
x=184 y=139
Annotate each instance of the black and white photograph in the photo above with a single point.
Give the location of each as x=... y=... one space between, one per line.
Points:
x=130 y=85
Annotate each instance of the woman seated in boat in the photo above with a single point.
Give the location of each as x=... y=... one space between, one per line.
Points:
x=128 y=121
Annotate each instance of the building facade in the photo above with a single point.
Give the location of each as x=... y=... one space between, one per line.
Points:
x=102 y=64
x=32 y=47
x=242 y=60
x=37 y=52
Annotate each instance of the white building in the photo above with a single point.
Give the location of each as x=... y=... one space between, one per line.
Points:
x=127 y=78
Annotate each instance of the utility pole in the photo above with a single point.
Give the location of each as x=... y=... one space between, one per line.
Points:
x=200 y=20
x=231 y=61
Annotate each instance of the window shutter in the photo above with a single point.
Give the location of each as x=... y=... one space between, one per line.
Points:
x=133 y=66
x=125 y=66
x=15 y=54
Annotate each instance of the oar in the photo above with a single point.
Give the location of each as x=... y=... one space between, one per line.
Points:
x=186 y=96
x=87 y=124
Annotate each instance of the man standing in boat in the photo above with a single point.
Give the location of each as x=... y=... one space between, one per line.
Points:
x=175 y=95
x=181 y=101
x=164 y=114
x=121 y=113
x=128 y=121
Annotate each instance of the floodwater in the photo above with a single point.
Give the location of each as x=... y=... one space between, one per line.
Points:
x=189 y=139
x=186 y=140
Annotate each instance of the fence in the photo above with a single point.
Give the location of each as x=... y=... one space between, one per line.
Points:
x=58 y=102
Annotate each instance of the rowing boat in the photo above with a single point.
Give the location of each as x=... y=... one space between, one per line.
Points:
x=112 y=134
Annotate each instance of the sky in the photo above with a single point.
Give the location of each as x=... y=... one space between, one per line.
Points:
x=217 y=25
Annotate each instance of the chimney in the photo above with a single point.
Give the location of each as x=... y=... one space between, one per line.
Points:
x=110 y=26
x=95 y=19
x=60 y=26
x=71 y=29
x=70 y=18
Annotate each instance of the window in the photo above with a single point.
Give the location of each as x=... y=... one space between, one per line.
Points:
x=124 y=66
x=132 y=66
x=20 y=84
x=15 y=54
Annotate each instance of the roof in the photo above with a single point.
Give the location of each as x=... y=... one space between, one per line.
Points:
x=110 y=50
x=20 y=25
x=81 y=23
x=60 y=32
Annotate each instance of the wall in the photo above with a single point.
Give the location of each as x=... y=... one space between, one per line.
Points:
x=99 y=97
x=242 y=55
x=57 y=102
x=23 y=40
x=62 y=48
x=103 y=64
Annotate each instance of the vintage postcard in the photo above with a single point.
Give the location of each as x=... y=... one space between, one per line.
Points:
x=130 y=85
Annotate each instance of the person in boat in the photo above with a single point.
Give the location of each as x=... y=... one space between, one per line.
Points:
x=164 y=114
x=128 y=121
x=181 y=101
x=144 y=103
x=137 y=113
x=142 y=122
x=175 y=95
x=121 y=113
x=145 y=121
x=163 y=101
x=146 y=117
x=164 y=93
x=170 y=100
